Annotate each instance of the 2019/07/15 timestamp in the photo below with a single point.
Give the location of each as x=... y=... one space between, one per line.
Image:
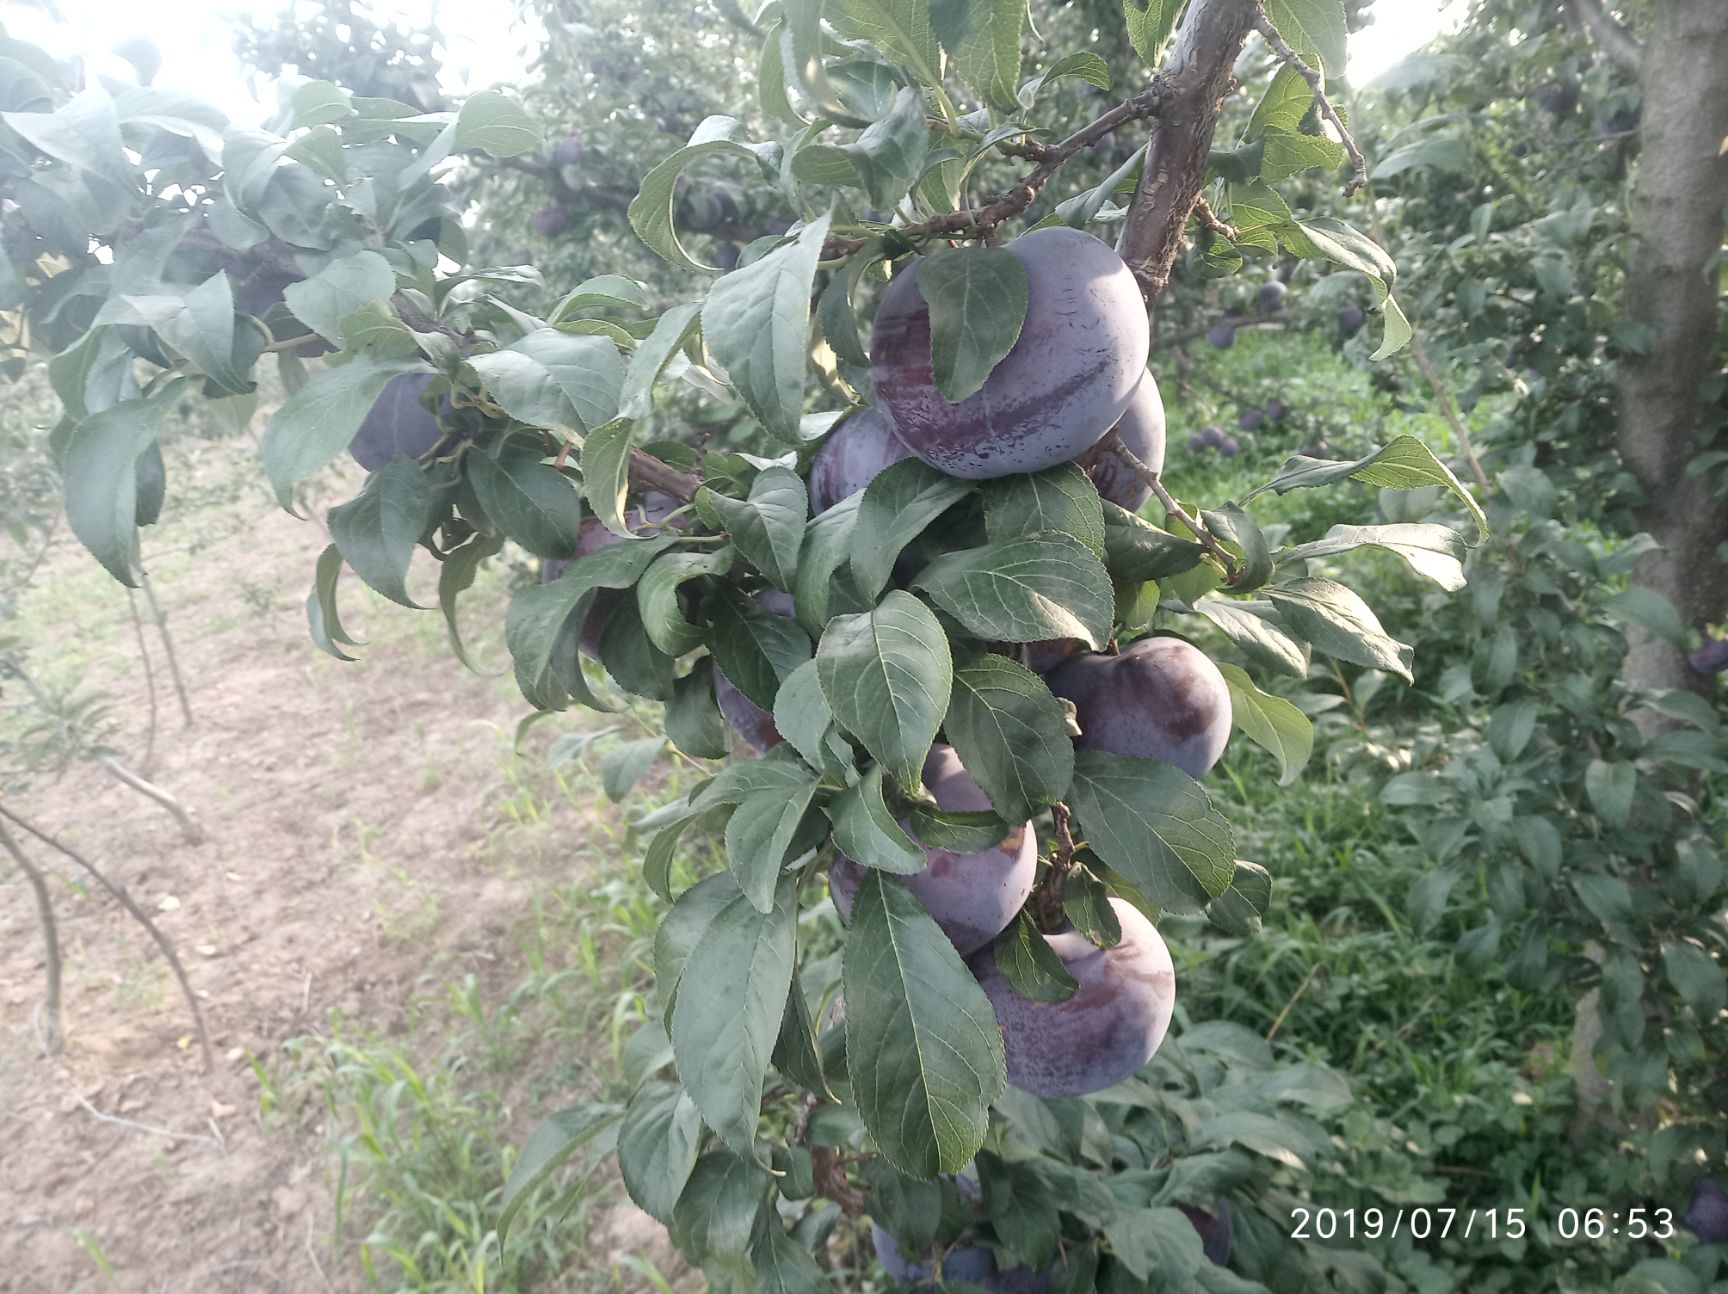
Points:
x=1440 y=1223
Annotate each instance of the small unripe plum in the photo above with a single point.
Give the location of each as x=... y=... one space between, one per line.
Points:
x=1250 y=419
x=397 y=423
x=1351 y=319
x=1217 y=1229
x=1141 y=430
x=1707 y=1217
x=1711 y=658
x=549 y=222
x=1222 y=336
x=1069 y=376
x=973 y=897
x=1161 y=698
x=1276 y=409
x=1103 y=1034
x=864 y=446
x=1270 y=297
x=569 y=150
x=726 y=255
x=1228 y=446
x=645 y=518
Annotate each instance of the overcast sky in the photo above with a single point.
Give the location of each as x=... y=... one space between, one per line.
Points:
x=485 y=45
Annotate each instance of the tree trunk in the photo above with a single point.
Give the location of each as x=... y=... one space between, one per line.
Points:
x=1677 y=222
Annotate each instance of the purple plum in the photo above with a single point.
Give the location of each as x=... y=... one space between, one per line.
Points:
x=1276 y=409
x=647 y=517
x=971 y=1263
x=972 y=896
x=549 y=222
x=1711 y=658
x=569 y=151
x=397 y=423
x=1068 y=378
x=1198 y=443
x=1222 y=336
x=1270 y=297
x=1217 y=1229
x=1161 y=698
x=726 y=255
x=1707 y=1217
x=1351 y=319
x=1104 y=1033
x=1141 y=430
x=1250 y=419
x=852 y=456
x=1228 y=446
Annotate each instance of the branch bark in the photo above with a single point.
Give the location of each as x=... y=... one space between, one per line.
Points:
x=1196 y=76
x=54 y=1035
x=1612 y=38
x=1678 y=198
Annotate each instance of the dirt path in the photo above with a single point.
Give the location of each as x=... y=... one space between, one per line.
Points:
x=344 y=806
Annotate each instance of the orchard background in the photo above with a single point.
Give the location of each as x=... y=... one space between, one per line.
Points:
x=500 y=958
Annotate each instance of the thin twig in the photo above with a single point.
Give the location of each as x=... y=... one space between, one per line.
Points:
x=1210 y=222
x=56 y=1030
x=138 y=914
x=149 y=682
x=167 y=646
x=188 y=825
x=145 y=1127
x=1048 y=900
x=1294 y=998
x=1112 y=443
x=1322 y=104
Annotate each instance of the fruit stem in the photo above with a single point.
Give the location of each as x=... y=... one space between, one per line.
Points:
x=1047 y=903
x=1207 y=540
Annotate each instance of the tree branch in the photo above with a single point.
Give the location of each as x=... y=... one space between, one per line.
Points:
x=56 y=1031
x=1194 y=80
x=1609 y=35
x=1112 y=443
x=1322 y=104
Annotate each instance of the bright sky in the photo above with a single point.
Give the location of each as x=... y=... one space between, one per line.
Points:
x=485 y=43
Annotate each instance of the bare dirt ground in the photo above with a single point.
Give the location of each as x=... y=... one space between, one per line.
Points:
x=336 y=798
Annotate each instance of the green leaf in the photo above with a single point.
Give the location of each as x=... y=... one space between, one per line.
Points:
x=100 y=475
x=730 y=998
x=1285 y=103
x=1083 y=64
x=754 y=649
x=671 y=333
x=343 y=287
x=1086 y=904
x=1697 y=977
x=494 y=124
x=1239 y=910
x=883 y=161
x=321 y=616
x=542 y=617
x=198 y=325
x=1153 y=824
x=1315 y=29
x=716 y=1216
x=977 y=301
x=900 y=26
x=554 y=1141
x=827 y=547
x=759 y=836
x=1030 y=964
x=802 y=716
x=657 y=1146
x=623 y=766
x=983 y=39
x=456 y=576
x=561 y=381
x=867 y=833
x=1011 y=734
x=606 y=472
x=1156 y=1240
x=1611 y=787
x=1136 y=550
x=922 y=1044
x=693 y=720
x=768 y=528
x=1254 y=627
x=887 y=675
x=657 y=597
x=316 y=422
x=1271 y=722
x=531 y=501
x=1403 y=463
x=893 y=510
x=1062 y=498
x=797 y=1056
x=1338 y=622
x=1149 y=25
x=378 y=530
x=783 y=1266
x=755 y=321
x=1026 y=590
x=1430 y=550
x=651 y=210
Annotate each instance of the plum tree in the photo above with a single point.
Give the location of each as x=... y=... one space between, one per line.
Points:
x=972 y=896
x=1141 y=430
x=1161 y=698
x=1107 y=1030
x=1222 y=336
x=549 y=222
x=397 y=423
x=852 y=456
x=1270 y=297
x=645 y=518
x=1065 y=382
